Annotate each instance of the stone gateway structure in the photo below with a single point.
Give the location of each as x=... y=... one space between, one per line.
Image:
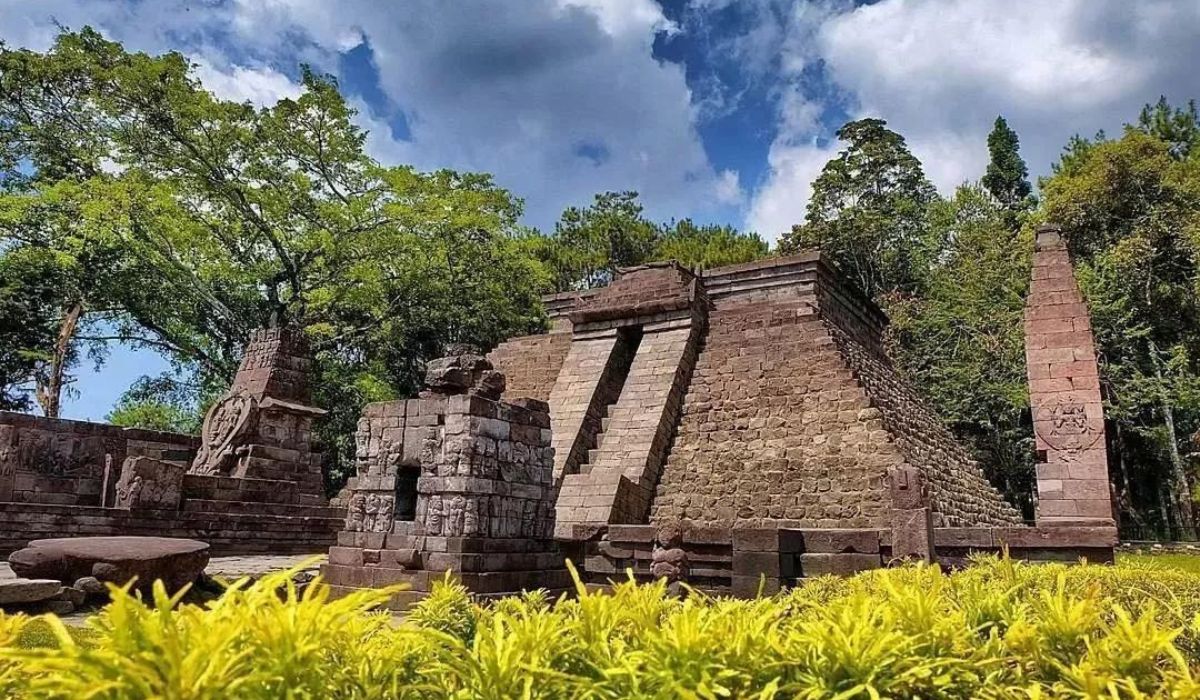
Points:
x=734 y=429
x=251 y=482
x=454 y=480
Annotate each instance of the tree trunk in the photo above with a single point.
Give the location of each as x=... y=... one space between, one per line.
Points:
x=1163 y=510
x=1181 y=491
x=1126 y=497
x=1180 y=488
x=50 y=387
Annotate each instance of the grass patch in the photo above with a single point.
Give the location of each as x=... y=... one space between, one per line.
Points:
x=998 y=629
x=1167 y=560
x=37 y=634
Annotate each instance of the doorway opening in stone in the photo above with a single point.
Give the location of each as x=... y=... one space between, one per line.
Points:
x=406 y=493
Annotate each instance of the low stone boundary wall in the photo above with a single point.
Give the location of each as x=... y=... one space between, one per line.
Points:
x=228 y=532
x=745 y=561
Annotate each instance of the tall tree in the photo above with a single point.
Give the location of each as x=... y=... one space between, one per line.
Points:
x=1178 y=127
x=590 y=244
x=1007 y=178
x=707 y=246
x=867 y=211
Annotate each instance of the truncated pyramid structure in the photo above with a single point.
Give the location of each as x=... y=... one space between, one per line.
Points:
x=735 y=428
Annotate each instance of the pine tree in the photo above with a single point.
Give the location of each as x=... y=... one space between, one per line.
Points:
x=867 y=211
x=1007 y=177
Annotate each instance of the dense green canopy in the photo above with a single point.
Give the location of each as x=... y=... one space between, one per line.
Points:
x=137 y=208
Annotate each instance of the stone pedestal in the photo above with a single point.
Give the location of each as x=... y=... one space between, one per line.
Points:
x=912 y=518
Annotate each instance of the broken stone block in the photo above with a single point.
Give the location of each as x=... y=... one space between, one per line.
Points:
x=23 y=590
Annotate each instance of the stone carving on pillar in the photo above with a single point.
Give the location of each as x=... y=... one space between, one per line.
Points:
x=8 y=450
x=128 y=491
x=669 y=559
x=228 y=423
x=362 y=445
x=912 y=516
x=1069 y=425
x=8 y=461
x=377 y=512
x=356 y=512
x=435 y=516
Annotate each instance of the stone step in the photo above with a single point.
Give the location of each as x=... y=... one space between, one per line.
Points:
x=226 y=488
x=15 y=591
x=205 y=505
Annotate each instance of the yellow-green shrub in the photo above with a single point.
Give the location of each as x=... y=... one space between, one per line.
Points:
x=999 y=629
x=10 y=632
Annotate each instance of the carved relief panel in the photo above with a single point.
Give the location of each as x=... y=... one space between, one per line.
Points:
x=8 y=461
x=1069 y=426
x=228 y=423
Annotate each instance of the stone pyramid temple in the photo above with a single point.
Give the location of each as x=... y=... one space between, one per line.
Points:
x=736 y=428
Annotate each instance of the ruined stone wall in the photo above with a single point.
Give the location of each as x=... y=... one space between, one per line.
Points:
x=774 y=429
x=531 y=363
x=46 y=460
x=483 y=503
x=960 y=495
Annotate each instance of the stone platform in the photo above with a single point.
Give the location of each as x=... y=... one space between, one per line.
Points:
x=116 y=560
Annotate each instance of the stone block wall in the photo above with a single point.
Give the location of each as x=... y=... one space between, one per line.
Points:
x=1064 y=392
x=775 y=430
x=484 y=498
x=960 y=495
x=64 y=462
x=231 y=528
x=251 y=482
x=531 y=363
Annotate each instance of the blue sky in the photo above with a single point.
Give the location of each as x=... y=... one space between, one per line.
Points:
x=719 y=110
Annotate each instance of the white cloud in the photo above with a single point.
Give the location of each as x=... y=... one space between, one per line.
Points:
x=939 y=71
x=728 y=188
x=262 y=86
x=558 y=98
x=780 y=203
x=559 y=101
x=625 y=16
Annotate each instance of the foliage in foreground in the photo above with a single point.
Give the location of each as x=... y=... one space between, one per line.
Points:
x=997 y=630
